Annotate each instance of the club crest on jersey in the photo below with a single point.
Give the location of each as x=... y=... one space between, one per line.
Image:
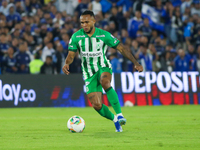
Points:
x=98 y=46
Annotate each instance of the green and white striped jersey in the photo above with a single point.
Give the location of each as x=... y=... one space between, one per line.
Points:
x=92 y=49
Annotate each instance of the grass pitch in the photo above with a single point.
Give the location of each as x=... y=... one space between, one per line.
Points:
x=147 y=128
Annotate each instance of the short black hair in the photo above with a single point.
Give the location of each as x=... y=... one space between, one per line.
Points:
x=49 y=56
x=88 y=12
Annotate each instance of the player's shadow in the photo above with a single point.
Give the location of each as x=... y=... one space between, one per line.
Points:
x=105 y=134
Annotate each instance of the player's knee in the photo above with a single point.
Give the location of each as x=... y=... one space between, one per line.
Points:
x=105 y=84
x=97 y=106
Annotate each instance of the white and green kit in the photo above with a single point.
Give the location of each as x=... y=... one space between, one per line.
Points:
x=94 y=62
x=92 y=50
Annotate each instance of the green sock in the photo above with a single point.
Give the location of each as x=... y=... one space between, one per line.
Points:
x=114 y=100
x=105 y=112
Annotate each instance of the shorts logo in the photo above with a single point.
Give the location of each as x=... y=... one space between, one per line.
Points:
x=87 y=83
x=87 y=89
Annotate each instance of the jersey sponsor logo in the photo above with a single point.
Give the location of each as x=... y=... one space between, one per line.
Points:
x=70 y=46
x=91 y=54
x=115 y=41
x=100 y=36
x=80 y=36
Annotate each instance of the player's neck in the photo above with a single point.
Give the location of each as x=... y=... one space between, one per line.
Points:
x=91 y=33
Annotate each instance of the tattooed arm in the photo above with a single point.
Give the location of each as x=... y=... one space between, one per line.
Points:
x=128 y=55
x=68 y=61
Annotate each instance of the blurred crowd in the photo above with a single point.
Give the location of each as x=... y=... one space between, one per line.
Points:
x=34 y=34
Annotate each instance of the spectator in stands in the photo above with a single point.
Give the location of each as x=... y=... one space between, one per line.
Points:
x=166 y=16
x=43 y=30
x=22 y=59
x=76 y=65
x=82 y=6
x=36 y=35
x=116 y=64
x=106 y=5
x=155 y=62
x=114 y=17
x=59 y=58
x=185 y=4
x=58 y=19
x=96 y=7
x=154 y=35
x=145 y=58
x=18 y=6
x=53 y=11
x=36 y=64
x=64 y=42
x=66 y=5
x=159 y=7
x=145 y=28
x=47 y=51
x=175 y=27
x=134 y=47
x=182 y=61
x=134 y=23
x=158 y=45
x=198 y=58
x=125 y=3
x=196 y=8
x=3 y=45
x=13 y=16
x=197 y=38
x=9 y=62
x=27 y=6
x=187 y=13
x=15 y=44
x=188 y=29
x=4 y=7
x=193 y=58
x=167 y=62
x=48 y=67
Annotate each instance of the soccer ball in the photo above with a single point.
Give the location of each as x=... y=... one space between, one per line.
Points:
x=76 y=124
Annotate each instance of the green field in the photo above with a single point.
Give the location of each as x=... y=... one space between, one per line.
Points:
x=147 y=128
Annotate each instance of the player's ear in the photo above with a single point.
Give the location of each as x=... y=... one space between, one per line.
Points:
x=94 y=21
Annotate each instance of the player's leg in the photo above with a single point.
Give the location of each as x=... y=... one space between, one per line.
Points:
x=105 y=80
x=95 y=99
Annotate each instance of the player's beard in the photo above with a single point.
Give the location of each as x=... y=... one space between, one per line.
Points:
x=89 y=30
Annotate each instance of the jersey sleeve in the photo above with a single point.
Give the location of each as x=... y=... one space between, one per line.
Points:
x=110 y=40
x=73 y=44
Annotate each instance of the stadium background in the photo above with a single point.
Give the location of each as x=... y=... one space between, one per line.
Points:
x=164 y=35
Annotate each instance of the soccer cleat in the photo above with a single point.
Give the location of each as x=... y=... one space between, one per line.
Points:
x=118 y=127
x=122 y=120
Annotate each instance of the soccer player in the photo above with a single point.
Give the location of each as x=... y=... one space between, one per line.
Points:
x=92 y=42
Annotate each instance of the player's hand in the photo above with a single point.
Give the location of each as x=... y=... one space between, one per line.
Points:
x=139 y=67
x=65 y=69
